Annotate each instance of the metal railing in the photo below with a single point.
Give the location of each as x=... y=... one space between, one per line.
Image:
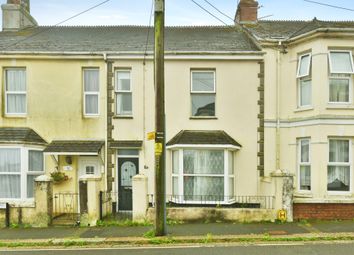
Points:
x=109 y=207
x=257 y=202
x=66 y=205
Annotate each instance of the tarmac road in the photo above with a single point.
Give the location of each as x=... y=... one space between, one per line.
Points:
x=346 y=248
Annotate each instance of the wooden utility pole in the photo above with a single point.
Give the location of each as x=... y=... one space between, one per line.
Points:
x=160 y=201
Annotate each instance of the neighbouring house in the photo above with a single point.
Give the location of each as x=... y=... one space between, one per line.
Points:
x=243 y=118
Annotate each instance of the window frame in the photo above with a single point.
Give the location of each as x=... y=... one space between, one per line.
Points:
x=6 y=93
x=350 y=164
x=24 y=171
x=299 y=105
x=308 y=67
x=340 y=51
x=180 y=197
x=117 y=91
x=202 y=92
x=93 y=93
x=300 y=164
x=349 y=78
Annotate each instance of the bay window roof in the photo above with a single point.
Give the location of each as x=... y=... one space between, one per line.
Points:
x=72 y=147
x=120 y=144
x=21 y=135
x=204 y=138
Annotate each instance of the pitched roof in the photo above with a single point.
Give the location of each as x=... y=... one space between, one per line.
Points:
x=126 y=144
x=274 y=29
x=79 y=146
x=205 y=137
x=124 y=39
x=20 y=135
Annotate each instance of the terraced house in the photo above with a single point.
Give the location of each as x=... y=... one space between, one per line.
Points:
x=258 y=119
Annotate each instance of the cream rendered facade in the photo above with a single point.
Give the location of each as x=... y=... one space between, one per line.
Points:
x=286 y=123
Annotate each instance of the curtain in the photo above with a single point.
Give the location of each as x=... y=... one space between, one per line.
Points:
x=16 y=80
x=124 y=103
x=339 y=174
x=35 y=161
x=305 y=177
x=203 y=161
x=175 y=162
x=339 y=90
x=16 y=103
x=91 y=80
x=341 y=62
x=305 y=153
x=339 y=151
x=10 y=162
x=203 y=188
x=91 y=102
x=305 y=92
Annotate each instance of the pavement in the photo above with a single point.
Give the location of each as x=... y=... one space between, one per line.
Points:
x=192 y=232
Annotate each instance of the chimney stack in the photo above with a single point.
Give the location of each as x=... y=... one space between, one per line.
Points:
x=247 y=12
x=16 y=15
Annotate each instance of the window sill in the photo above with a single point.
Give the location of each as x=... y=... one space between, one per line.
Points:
x=15 y=116
x=303 y=194
x=303 y=109
x=91 y=116
x=203 y=118
x=340 y=107
x=122 y=117
x=29 y=203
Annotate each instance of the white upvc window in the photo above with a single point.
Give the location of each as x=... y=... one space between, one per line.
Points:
x=341 y=62
x=340 y=78
x=203 y=93
x=304 y=164
x=202 y=176
x=304 y=80
x=123 y=91
x=339 y=165
x=19 y=166
x=91 y=91
x=15 y=92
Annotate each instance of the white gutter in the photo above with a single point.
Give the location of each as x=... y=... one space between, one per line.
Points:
x=211 y=146
x=278 y=89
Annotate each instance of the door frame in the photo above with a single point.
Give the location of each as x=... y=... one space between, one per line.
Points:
x=117 y=171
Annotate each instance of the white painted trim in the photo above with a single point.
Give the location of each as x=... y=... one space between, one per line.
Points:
x=93 y=93
x=299 y=164
x=23 y=114
x=340 y=51
x=126 y=92
x=204 y=146
x=309 y=122
x=308 y=67
x=307 y=106
x=349 y=78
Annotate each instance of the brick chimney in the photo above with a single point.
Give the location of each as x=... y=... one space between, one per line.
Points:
x=16 y=15
x=247 y=12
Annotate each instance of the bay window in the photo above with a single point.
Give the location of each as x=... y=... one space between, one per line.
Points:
x=304 y=81
x=19 y=166
x=15 y=91
x=202 y=176
x=339 y=166
x=340 y=80
x=304 y=164
x=203 y=93
x=91 y=92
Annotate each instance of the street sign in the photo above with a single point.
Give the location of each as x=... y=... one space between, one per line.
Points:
x=151 y=136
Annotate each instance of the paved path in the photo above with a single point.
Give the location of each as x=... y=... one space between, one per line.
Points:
x=288 y=249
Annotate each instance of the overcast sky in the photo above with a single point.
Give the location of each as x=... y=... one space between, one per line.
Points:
x=178 y=12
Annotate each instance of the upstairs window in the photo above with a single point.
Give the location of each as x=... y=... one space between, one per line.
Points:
x=15 y=91
x=203 y=93
x=304 y=81
x=91 y=92
x=123 y=91
x=340 y=80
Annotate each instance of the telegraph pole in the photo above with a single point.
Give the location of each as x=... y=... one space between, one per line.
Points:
x=159 y=63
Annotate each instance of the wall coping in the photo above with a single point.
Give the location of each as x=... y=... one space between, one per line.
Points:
x=88 y=177
x=324 y=201
x=43 y=178
x=281 y=173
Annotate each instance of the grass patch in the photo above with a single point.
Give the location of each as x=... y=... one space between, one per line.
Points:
x=208 y=238
x=149 y=234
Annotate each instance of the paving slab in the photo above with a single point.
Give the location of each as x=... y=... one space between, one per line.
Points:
x=334 y=226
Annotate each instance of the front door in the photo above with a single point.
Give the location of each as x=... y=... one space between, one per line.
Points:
x=127 y=168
